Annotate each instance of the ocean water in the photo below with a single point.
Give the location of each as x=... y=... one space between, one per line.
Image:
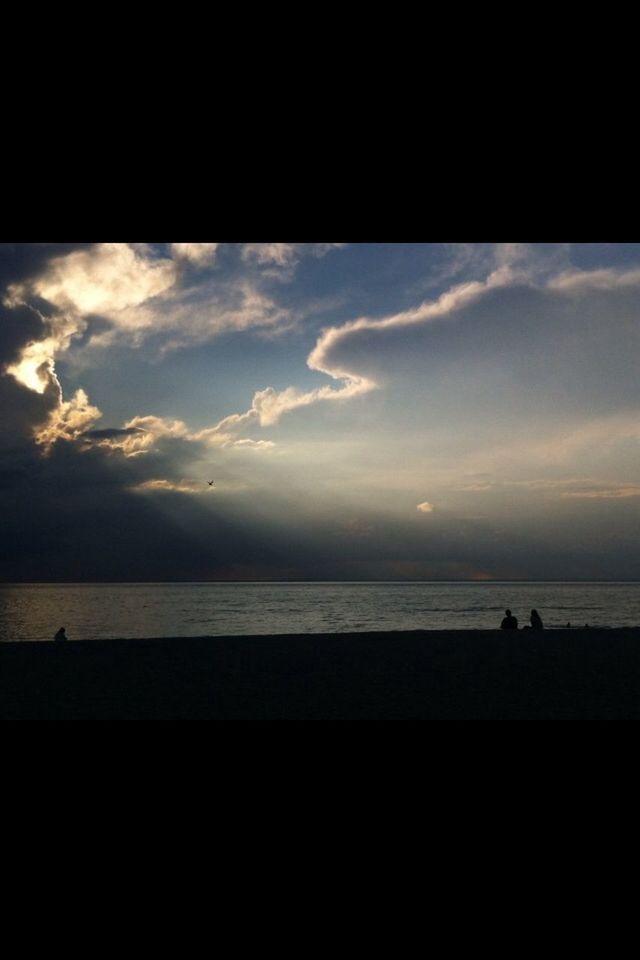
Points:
x=102 y=610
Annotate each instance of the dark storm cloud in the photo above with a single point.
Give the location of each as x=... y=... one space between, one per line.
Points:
x=73 y=516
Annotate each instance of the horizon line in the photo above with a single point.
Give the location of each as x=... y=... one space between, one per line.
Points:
x=56 y=583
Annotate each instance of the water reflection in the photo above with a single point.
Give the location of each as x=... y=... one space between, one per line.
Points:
x=35 y=611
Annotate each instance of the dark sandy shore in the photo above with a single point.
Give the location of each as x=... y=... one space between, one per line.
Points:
x=443 y=675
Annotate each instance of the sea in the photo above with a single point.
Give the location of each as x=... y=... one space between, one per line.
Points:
x=88 y=611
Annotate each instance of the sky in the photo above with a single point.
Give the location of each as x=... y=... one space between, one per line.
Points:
x=366 y=411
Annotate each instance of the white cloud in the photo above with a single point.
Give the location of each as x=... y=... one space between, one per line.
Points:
x=106 y=280
x=202 y=254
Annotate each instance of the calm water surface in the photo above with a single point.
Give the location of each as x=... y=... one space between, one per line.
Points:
x=95 y=611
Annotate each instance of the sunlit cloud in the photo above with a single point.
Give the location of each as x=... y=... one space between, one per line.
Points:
x=197 y=314
x=269 y=405
x=140 y=296
x=67 y=421
x=248 y=444
x=322 y=357
x=200 y=254
x=141 y=435
x=588 y=281
x=130 y=442
x=35 y=369
x=105 y=280
x=170 y=486
x=118 y=282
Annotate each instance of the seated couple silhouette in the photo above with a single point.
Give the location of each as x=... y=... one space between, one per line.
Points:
x=511 y=623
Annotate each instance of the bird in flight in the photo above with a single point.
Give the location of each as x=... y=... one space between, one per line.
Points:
x=210 y=482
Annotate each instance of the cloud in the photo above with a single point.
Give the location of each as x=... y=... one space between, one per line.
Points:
x=141 y=435
x=105 y=280
x=67 y=421
x=280 y=254
x=248 y=444
x=425 y=507
x=35 y=367
x=201 y=254
x=130 y=441
x=140 y=295
x=572 y=488
x=587 y=281
x=136 y=292
x=323 y=355
x=284 y=254
x=196 y=314
x=269 y=405
x=169 y=486
x=613 y=491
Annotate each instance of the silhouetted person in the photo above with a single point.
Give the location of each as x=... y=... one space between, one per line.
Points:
x=60 y=635
x=510 y=622
x=536 y=622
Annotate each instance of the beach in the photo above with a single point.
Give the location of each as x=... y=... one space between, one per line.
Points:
x=574 y=674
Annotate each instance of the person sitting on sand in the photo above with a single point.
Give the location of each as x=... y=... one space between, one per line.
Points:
x=60 y=635
x=536 y=622
x=510 y=622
